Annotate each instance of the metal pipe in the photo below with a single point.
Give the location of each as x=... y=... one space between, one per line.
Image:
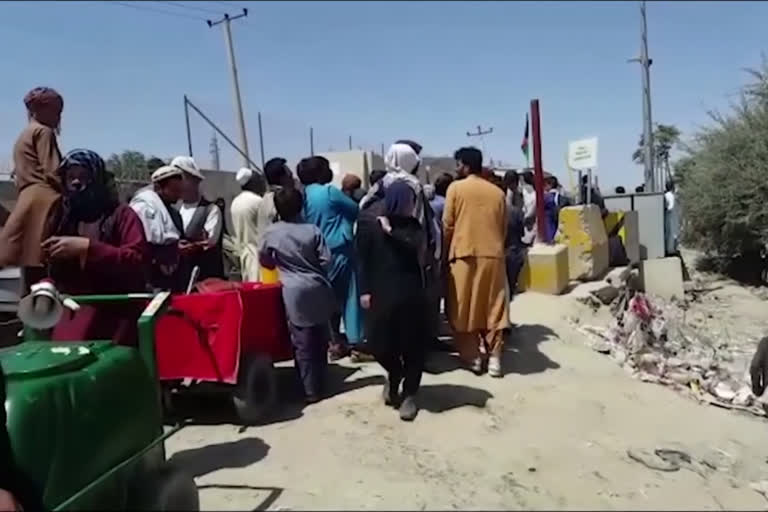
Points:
x=261 y=141
x=189 y=130
x=581 y=189
x=223 y=135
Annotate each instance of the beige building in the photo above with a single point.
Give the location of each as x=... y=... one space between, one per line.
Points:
x=359 y=163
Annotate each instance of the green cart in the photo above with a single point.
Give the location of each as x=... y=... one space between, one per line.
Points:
x=85 y=420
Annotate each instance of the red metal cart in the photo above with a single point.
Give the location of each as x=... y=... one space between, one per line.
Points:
x=230 y=337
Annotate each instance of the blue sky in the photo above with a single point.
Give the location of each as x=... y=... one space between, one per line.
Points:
x=377 y=71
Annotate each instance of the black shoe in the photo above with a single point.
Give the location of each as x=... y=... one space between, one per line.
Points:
x=312 y=399
x=408 y=409
x=390 y=393
x=439 y=345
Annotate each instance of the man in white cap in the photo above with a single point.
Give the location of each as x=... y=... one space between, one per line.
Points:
x=245 y=222
x=202 y=223
x=162 y=224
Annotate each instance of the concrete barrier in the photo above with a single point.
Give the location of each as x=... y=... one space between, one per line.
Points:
x=583 y=232
x=545 y=269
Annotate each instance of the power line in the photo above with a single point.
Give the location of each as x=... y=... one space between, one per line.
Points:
x=184 y=6
x=152 y=9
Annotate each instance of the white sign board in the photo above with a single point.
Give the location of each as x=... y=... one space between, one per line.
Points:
x=335 y=168
x=582 y=154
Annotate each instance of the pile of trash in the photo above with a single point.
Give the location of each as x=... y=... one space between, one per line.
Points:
x=653 y=341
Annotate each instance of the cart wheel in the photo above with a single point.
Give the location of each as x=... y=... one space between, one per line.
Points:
x=256 y=391
x=166 y=488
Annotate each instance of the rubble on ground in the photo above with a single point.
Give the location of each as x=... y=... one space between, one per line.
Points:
x=664 y=342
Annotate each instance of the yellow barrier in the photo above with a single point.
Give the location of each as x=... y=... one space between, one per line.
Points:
x=545 y=269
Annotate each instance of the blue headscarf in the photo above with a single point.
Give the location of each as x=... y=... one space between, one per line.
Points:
x=99 y=197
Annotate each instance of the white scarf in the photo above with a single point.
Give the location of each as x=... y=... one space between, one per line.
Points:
x=158 y=225
x=401 y=160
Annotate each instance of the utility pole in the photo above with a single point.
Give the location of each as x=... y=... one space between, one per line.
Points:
x=215 y=160
x=645 y=62
x=235 y=83
x=480 y=133
x=350 y=143
x=311 y=141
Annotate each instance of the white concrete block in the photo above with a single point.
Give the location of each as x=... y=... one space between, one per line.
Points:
x=662 y=277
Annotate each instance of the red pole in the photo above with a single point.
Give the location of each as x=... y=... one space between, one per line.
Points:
x=538 y=172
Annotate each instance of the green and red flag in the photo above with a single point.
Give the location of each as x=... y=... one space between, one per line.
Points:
x=524 y=143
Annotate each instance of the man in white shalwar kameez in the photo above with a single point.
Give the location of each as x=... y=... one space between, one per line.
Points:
x=246 y=230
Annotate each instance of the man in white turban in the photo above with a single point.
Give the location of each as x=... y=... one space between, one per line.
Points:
x=245 y=222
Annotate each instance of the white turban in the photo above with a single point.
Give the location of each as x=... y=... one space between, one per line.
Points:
x=401 y=158
x=188 y=165
x=164 y=173
x=243 y=176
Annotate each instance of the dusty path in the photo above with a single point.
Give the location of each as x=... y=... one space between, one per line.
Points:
x=554 y=433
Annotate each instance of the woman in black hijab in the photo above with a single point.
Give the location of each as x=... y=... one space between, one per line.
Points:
x=392 y=254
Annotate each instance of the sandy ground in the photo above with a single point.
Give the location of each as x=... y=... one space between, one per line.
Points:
x=553 y=433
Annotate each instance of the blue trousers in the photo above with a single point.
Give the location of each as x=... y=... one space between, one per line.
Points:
x=344 y=281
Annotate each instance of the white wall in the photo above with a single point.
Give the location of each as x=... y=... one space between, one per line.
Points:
x=359 y=163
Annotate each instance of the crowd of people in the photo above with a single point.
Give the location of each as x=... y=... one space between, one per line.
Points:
x=377 y=261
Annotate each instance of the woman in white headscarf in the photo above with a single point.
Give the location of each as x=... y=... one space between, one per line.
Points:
x=402 y=162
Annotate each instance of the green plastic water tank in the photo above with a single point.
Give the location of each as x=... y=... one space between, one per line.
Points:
x=76 y=410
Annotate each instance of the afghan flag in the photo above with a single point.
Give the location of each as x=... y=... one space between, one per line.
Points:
x=524 y=143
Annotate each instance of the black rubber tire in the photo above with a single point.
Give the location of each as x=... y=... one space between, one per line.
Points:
x=256 y=392
x=165 y=489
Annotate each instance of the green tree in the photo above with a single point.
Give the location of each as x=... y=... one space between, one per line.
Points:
x=724 y=191
x=128 y=165
x=665 y=137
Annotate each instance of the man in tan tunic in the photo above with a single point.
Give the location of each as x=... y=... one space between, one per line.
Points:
x=474 y=227
x=36 y=158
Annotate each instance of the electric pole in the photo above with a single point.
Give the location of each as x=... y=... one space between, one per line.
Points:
x=235 y=83
x=480 y=133
x=645 y=62
x=215 y=160
x=311 y=142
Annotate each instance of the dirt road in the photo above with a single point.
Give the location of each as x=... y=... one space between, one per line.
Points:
x=554 y=433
